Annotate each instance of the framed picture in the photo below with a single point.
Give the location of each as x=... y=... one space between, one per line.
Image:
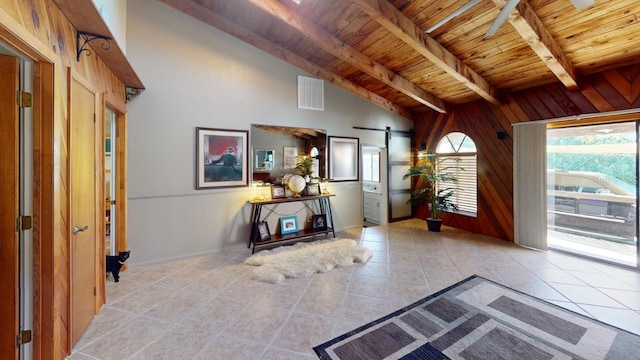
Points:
x=221 y=158
x=277 y=192
x=290 y=155
x=344 y=161
x=288 y=225
x=263 y=231
x=313 y=189
x=319 y=222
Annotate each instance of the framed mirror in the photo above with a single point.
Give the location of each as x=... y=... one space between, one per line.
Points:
x=285 y=145
x=344 y=161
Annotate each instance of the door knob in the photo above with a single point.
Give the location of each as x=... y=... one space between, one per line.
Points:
x=79 y=229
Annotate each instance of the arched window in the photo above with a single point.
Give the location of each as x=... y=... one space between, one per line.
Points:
x=457 y=145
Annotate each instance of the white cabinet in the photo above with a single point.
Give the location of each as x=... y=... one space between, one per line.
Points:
x=372 y=206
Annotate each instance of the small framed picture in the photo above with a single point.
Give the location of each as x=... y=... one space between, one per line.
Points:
x=313 y=189
x=288 y=225
x=277 y=192
x=263 y=231
x=319 y=222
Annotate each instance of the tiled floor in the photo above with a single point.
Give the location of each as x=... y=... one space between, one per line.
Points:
x=209 y=308
x=620 y=253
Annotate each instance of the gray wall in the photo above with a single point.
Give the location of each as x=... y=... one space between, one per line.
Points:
x=197 y=76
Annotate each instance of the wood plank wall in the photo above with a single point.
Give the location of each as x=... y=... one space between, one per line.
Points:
x=607 y=91
x=46 y=31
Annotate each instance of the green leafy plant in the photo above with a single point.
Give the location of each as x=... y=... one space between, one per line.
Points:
x=435 y=183
x=304 y=164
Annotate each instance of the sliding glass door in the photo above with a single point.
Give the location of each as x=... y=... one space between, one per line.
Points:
x=592 y=192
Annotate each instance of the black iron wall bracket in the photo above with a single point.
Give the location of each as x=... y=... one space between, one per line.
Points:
x=86 y=38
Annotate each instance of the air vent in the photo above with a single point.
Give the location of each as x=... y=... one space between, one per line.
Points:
x=310 y=93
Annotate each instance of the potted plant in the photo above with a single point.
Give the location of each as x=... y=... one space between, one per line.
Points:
x=434 y=186
x=304 y=165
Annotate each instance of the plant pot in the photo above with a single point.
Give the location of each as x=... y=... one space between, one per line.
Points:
x=434 y=224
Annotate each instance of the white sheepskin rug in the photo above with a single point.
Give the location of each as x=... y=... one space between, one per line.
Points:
x=304 y=259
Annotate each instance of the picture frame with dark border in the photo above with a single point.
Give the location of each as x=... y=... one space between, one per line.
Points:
x=221 y=158
x=288 y=225
x=319 y=222
x=263 y=231
x=278 y=192
x=312 y=189
x=344 y=158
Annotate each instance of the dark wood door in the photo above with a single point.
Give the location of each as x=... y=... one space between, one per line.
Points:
x=9 y=202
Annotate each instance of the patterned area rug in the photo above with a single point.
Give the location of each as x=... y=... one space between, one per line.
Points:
x=479 y=319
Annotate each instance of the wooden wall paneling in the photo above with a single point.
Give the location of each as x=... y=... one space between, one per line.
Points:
x=609 y=91
x=573 y=102
x=612 y=95
x=539 y=104
x=40 y=31
x=599 y=102
x=552 y=103
x=529 y=109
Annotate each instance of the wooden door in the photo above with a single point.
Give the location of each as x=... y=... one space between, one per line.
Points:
x=84 y=228
x=9 y=247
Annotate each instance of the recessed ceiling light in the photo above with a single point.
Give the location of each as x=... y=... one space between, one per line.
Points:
x=604 y=131
x=297 y=1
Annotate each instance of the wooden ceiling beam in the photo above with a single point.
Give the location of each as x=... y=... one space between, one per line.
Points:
x=531 y=29
x=208 y=17
x=406 y=30
x=343 y=51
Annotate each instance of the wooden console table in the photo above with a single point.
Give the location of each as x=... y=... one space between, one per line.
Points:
x=324 y=205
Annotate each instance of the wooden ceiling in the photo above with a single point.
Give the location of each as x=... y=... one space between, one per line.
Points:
x=379 y=50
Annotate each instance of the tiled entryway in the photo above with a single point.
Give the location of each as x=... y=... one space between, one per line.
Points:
x=209 y=308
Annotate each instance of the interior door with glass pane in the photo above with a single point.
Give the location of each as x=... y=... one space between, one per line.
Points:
x=399 y=161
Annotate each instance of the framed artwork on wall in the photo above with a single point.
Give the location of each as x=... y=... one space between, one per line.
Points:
x=290 y=154
x=221 y=158
x=344 y=160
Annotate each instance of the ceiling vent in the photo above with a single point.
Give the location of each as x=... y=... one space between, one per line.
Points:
x=310 y=93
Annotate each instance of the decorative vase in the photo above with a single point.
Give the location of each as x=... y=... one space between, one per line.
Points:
x=434 y=225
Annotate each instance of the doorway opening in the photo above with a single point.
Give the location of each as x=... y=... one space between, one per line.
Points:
x=372 y=185
x=109 y=181
x=592 y=191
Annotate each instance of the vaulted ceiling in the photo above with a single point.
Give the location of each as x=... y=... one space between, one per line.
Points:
x=411 y=56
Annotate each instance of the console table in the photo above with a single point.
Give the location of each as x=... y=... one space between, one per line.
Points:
x=324 y=206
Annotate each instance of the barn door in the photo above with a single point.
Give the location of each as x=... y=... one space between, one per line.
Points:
x=399 y=161
x=85 y=231
x=9 y=202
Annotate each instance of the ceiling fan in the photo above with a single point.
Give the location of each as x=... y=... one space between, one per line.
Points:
x=502 y=17
x=511 y=4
